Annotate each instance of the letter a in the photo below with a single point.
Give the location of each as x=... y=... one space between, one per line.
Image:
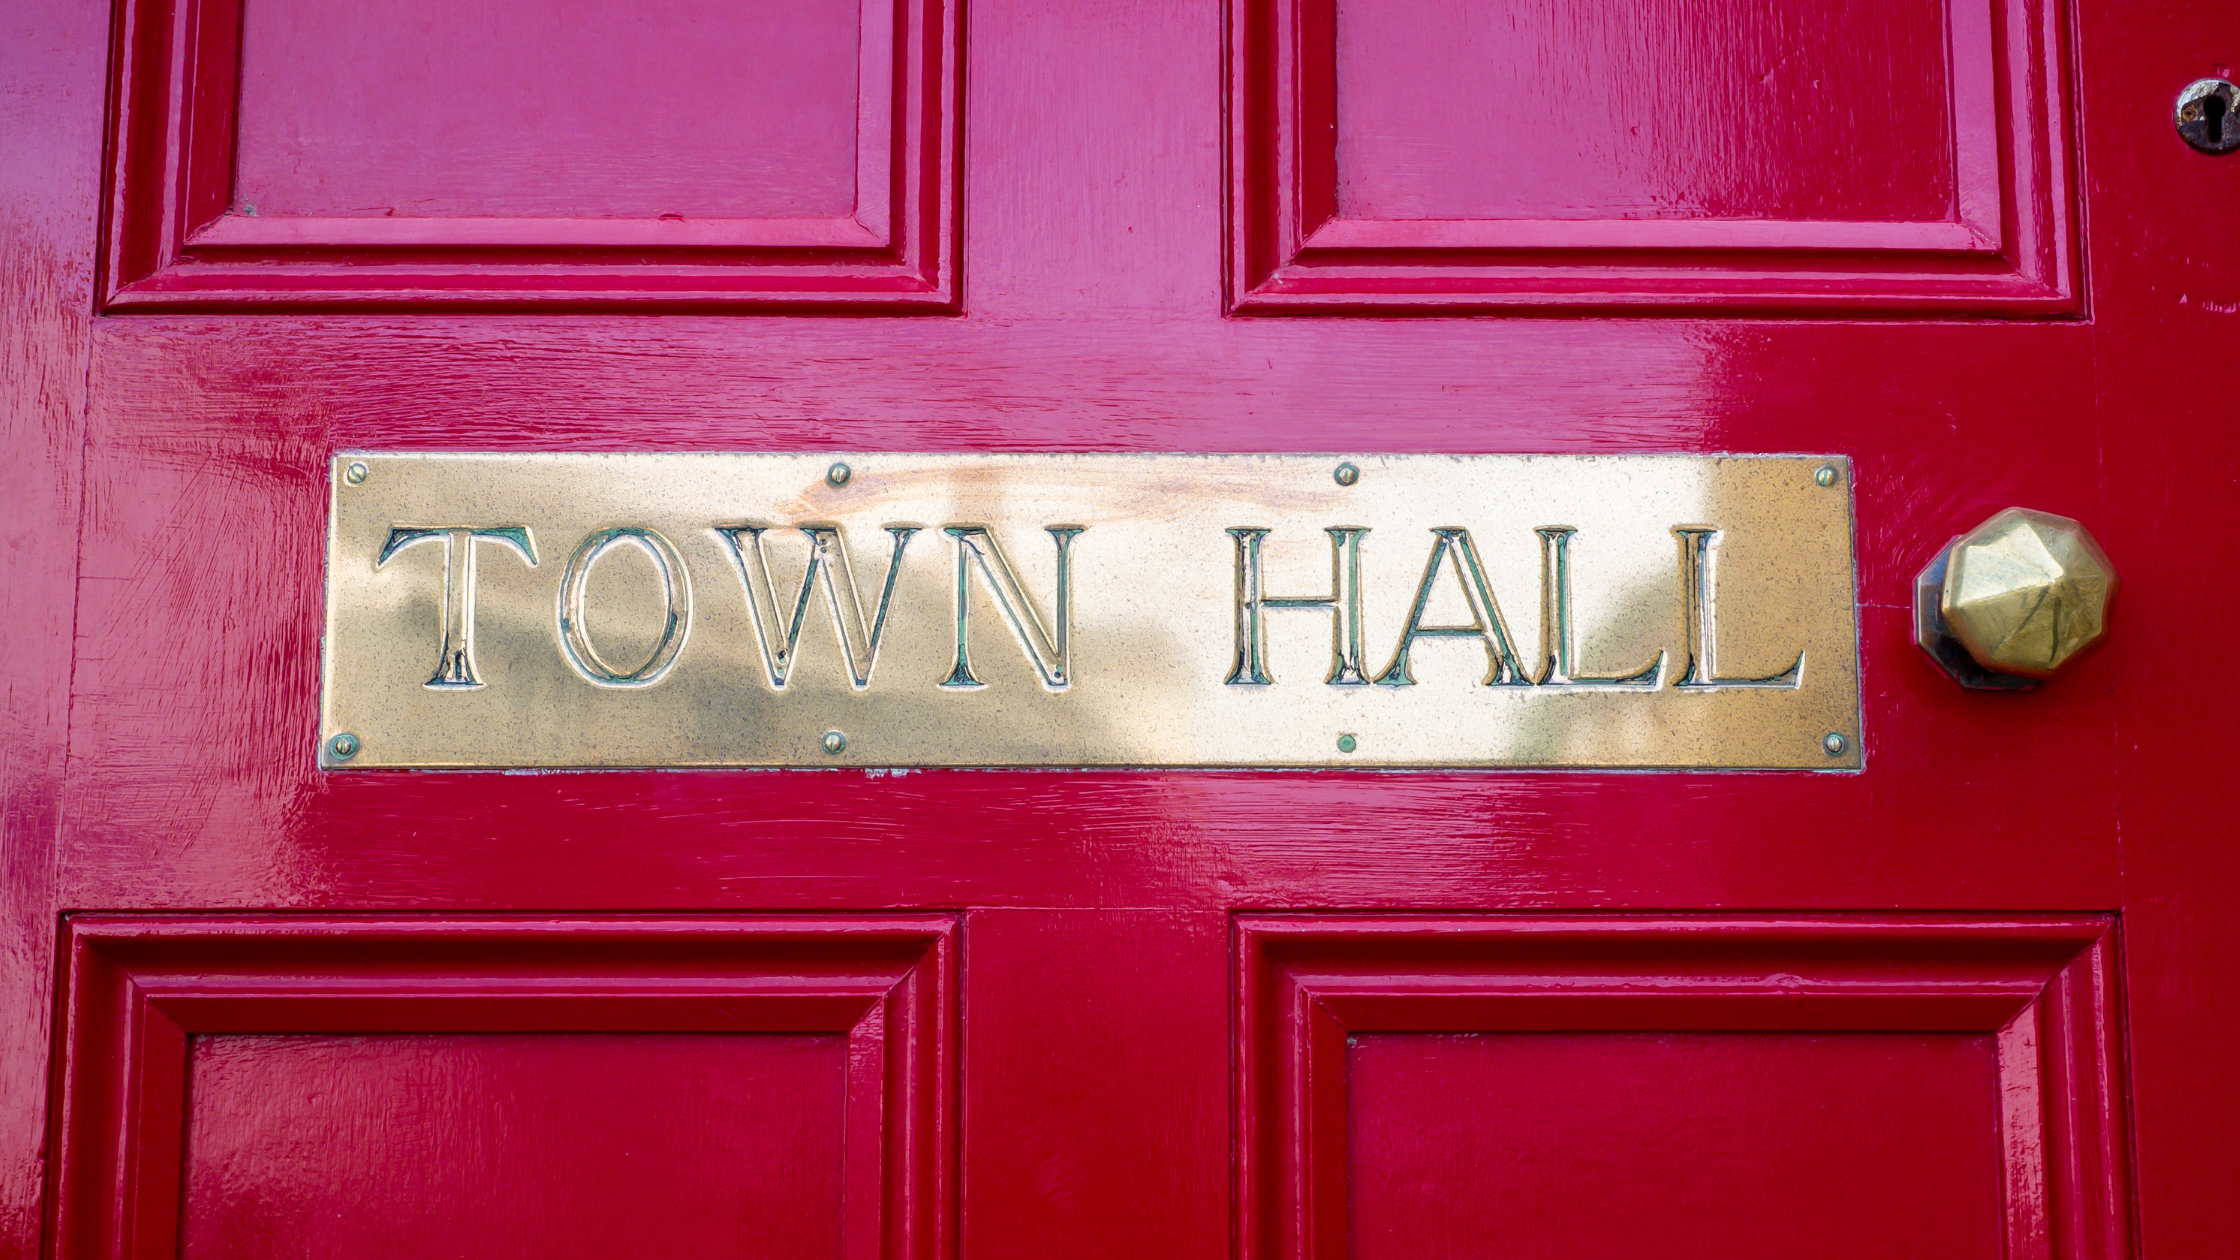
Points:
x=1503 y=668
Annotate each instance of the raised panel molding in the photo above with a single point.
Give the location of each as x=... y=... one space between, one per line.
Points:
x=176 y=240
x=2007 y=245
x=138 y=990
x=2043 y=990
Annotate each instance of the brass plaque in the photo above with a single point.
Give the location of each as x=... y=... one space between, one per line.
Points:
x=1090 y=610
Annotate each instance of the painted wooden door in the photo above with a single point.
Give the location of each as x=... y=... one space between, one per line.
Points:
x=1974 y=1000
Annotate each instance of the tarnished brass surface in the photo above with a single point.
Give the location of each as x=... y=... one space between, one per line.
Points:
x=2026 y=592
x=1115 y=610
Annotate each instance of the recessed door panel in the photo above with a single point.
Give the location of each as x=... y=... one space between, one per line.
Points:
x=1593 y=1086
x=1431 y=156
x=523 y=1144
x=554 y=1086
x=677 y=155
x=1480 y=1146
x=571 y=111
x=1668 y=110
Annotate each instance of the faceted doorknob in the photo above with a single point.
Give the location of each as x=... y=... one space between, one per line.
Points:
x=2013 y=600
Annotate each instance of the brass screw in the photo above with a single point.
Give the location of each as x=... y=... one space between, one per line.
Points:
x=355 y=474
x=838 y=474
x=343 y=746
x=835 y=743
x=1826 y=476
x=1346 y=743
x=1834 y=744
x=1346 y=474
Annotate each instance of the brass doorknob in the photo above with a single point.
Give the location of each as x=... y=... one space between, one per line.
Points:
x=2013 y=600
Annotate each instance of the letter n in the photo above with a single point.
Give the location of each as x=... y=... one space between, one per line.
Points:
x=1047 y=648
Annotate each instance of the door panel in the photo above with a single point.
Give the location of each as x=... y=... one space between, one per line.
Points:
x=1484 y=1145
x=519 y=1145
x=505 y=155
x=1979 y=1088
x=1598 y=112
x=1428 y=156
x=481 y=111
x=509 y=1086
x=262 y=1008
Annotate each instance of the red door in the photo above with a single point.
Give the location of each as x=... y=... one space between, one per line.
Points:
x=1973 y=999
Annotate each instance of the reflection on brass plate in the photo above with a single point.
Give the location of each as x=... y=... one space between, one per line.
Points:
x=1090 y=610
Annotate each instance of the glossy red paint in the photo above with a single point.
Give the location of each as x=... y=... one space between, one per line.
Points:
x=442 y=155
x=161 y=1010
x=1579 y=1127
x=1096 y=204
x=1432 y=156
x=2035 y=999
x=595 y=1143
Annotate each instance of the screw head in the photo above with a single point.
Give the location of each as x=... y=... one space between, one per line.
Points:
x=343 y=747
x=1346 y=474
x=2208 y=115
x=835 y=743
x=839 y=474
x=1826 y=476
x=1346 y=743
x=355 y=474
x=1834 y=744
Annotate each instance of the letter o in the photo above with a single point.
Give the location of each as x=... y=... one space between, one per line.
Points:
x=676 y=592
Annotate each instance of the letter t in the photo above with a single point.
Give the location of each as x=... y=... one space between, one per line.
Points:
x=455 y=667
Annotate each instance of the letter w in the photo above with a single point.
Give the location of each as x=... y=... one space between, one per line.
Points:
x=828 y=556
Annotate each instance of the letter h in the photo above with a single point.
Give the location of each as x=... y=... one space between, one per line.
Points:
x=1343 y=603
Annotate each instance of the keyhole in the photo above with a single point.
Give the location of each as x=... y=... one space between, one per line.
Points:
x=2208 y=115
